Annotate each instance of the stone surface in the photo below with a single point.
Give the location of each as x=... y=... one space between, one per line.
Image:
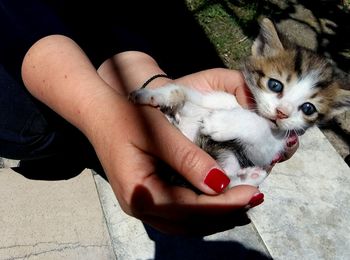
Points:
x=128 y=235
x=133 y=240
x=51 y=220
x=306 y=214
x=8 y=163
x=338 y=134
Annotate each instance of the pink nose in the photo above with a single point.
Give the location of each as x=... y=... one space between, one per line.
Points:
x=281 y=115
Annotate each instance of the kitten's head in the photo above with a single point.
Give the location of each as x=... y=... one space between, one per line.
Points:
x=292 y=86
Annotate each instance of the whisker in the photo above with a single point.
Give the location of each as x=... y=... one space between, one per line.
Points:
x=300 y=131
x=286 y=134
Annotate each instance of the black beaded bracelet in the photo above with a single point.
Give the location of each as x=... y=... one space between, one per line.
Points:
x=154 y=77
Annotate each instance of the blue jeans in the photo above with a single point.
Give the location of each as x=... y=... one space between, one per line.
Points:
x=28 y=129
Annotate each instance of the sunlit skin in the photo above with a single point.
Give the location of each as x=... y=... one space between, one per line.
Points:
x=129 y=140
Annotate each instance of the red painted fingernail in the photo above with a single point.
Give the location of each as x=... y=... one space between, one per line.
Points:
x=256 y=200
x=292 y=140
x=217 y=180
x=277 y=158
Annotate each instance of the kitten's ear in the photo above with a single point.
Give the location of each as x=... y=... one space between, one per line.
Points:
x=268 y=43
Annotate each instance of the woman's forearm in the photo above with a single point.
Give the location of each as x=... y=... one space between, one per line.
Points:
x=128 y=70
x=128 y=139
x=57 y=72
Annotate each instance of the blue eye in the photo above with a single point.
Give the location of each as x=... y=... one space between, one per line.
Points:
x=275 y=85
x=308 y=108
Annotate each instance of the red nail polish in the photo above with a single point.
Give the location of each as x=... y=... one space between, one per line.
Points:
x=217 y=180
x=277 y=159
x=256 y=200
x=292 y=140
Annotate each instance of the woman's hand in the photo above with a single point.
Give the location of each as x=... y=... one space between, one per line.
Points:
x=176 y=207
x=131 y=140
x=219 y=79
x=232 y=81
x=167 y=207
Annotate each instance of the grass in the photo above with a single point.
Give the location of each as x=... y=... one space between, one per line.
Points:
x=223 y=29
x=231 y=25
x=347 y=3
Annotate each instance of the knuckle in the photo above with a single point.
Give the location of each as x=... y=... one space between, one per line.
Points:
x=187 y=159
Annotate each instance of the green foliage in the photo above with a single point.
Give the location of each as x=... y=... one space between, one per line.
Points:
x=231 y=25
x=224 y=28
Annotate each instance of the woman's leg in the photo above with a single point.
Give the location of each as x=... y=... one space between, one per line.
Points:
x=48 y=146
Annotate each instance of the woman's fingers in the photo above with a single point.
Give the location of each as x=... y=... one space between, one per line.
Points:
x=154 y=197
x=143 y=193
x=168 y=144
x=292 y=145
x=199 y=225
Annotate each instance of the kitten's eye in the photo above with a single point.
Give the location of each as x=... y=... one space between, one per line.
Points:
x=275 y=85
x=308 y=108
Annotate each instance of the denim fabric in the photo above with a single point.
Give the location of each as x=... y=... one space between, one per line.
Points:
x=102 y=28
x=28 y=129
x=24 y=131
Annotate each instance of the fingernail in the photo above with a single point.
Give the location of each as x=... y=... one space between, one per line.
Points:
x=256 y=200
x=277 y=159
x=293 y=139
x=216 y=180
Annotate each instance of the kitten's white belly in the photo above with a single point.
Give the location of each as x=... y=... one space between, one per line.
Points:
x=218 y=116
x=189 y=119
x=260 y=144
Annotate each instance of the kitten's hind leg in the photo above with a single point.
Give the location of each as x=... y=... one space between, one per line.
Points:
x=253 y=176
x=170 y=96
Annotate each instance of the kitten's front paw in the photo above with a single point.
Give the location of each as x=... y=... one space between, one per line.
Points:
x=253 y=176
x=144 y=97
x=215 y=126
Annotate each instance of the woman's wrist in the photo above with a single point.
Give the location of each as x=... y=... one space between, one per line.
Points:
x=149 y=81
x=128 y=71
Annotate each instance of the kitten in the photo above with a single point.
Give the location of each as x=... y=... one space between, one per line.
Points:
x=293 y=89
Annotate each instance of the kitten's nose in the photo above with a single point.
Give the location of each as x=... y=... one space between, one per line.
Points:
x=280 y=114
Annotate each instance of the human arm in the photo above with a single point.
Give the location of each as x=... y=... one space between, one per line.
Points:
x=129 y=140
x=130 y=69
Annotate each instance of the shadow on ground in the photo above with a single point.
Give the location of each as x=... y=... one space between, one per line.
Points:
x=178 y=247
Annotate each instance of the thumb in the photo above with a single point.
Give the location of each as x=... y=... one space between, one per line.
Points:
x=193 y=163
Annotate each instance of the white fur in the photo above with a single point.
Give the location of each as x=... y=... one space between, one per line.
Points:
x=218 y=115
x=302 y=89
x=247 y=176
x=297 y=93
x=261 y=144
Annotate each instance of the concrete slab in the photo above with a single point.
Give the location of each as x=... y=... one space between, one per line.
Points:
x=133 y=240
x=306 y=214
x=8 y=163
x=128 y=235
x=51 y=220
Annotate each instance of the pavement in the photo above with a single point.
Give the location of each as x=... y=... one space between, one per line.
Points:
x=305 y=215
